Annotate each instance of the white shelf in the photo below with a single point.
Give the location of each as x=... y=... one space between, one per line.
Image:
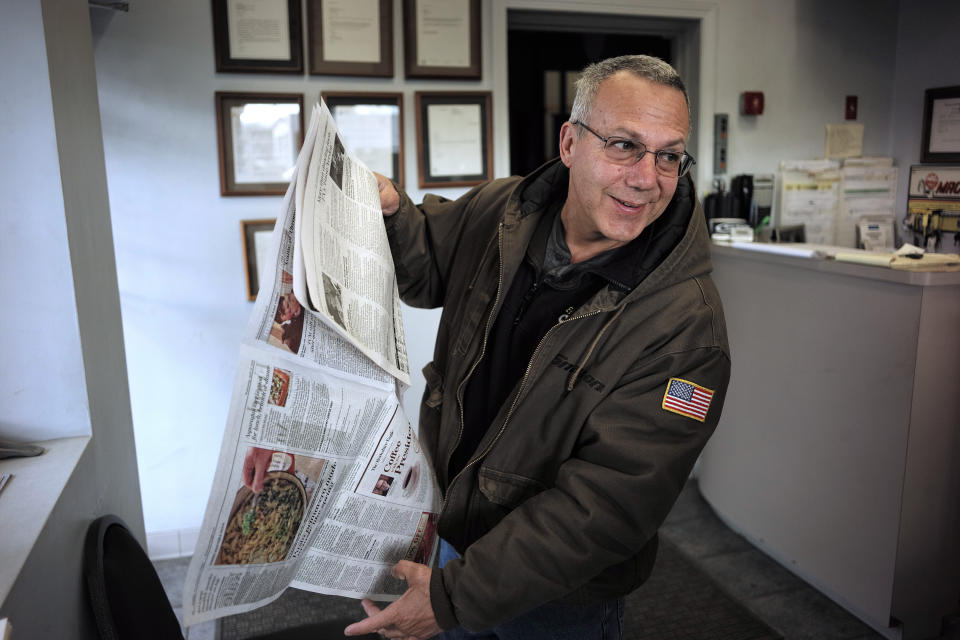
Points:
x=29 y=498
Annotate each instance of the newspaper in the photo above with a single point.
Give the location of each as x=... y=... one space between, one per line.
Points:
x=347 y=491
x=343 y=265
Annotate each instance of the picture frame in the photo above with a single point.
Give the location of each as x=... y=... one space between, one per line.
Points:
x=258 y=146
x=256 y=238
x=442 y=39
x=350 y=37
x=259 y=37
x=454 y=138
x=941 y=125
x=371 y=126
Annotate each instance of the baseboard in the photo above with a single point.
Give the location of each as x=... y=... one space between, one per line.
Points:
x=176 y=543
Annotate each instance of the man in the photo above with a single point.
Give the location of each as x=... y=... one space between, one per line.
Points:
x=580 y=366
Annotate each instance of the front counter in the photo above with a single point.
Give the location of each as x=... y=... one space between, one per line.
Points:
x=838 y=452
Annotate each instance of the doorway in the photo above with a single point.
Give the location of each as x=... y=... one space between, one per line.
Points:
x=546 y=50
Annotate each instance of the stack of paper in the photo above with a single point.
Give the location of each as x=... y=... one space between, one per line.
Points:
x=809 y=194
x=868 y=201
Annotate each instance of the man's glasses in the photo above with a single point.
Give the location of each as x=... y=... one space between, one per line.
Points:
x=626 y=152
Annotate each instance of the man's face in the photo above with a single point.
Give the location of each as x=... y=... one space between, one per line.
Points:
x=608 y=205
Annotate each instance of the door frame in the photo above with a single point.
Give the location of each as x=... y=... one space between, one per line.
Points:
x=697 y=67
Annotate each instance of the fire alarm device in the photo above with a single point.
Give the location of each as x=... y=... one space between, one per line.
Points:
x=752 y=103
x=850 y=108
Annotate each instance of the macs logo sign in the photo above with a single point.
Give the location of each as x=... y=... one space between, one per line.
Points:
x=932 y=186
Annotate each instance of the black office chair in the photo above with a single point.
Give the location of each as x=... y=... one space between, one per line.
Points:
x=126 y=595
x=128 y=599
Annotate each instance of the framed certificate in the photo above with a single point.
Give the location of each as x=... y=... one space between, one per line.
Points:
x=442 y=38
x=256 y=247
x=351 y=37
x=371 y=125
x=258 y=37
x=258 y=137
x=941 y=125
x=454 y=138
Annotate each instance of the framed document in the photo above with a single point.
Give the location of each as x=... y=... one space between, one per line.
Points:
x=256 y=248
x=371 y=125
x=454 y=138
x=351 y=37
x=264 y=36
x=442 y=38
x=941 y=125
x=259 y=136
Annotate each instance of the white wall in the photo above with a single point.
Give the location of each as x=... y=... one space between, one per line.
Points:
x=926 y=58
x=60 y=318
x=39 y=336
x=178 y=241
x=806 y=56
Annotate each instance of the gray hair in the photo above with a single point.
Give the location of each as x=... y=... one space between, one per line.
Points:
x=648 y=67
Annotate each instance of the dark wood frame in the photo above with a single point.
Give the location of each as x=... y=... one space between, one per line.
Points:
x=334 y=98
x=414 y=70
x=929 y=97
x=223 y=100
x=221 y=42
x=319 y=66
x=251 y=268
x=427 y=98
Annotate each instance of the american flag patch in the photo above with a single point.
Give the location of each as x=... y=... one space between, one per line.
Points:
x=687 y=399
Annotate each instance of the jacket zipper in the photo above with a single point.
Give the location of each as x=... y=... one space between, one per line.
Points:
x=513 y=405
x=483 y=350
x=525 y=302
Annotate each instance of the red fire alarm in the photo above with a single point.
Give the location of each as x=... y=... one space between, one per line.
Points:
x=752 y=103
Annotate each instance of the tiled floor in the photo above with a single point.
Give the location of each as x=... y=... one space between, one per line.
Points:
x=783 y=601
x=172 y=574
x=776 y=596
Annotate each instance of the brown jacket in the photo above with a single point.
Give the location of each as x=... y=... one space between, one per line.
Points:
x=568 y=487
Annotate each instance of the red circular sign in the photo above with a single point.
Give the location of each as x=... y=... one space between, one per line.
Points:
x=931 y=181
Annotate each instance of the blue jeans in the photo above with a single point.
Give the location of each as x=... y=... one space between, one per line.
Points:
x=599 y=621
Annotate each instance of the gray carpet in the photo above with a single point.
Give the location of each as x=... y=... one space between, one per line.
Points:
x=681 y=602
x=678 y=602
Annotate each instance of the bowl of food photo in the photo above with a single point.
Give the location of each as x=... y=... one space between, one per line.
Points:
x=261 y=527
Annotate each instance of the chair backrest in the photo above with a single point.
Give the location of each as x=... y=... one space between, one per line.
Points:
x=126 y=595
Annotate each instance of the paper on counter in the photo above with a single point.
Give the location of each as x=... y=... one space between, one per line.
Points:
x=881 y=259
x=785 y=249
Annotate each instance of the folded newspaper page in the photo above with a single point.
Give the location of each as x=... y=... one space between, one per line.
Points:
x=344 y=490
x=343 y=266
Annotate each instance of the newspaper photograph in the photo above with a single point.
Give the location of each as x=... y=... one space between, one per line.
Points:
x=321 y=483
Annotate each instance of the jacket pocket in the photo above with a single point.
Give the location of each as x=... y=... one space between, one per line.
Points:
x=508 y=489
x=433 y=394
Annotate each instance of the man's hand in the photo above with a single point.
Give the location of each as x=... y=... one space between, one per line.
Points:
x=410 y=617
x=389 y=198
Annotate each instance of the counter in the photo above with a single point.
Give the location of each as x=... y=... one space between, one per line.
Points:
x=837 y=453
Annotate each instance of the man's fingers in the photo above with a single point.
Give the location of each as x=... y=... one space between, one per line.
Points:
x=376 y=620
x=409 y=571
x=389 y=197
x=369 y=608
x=398 y=571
